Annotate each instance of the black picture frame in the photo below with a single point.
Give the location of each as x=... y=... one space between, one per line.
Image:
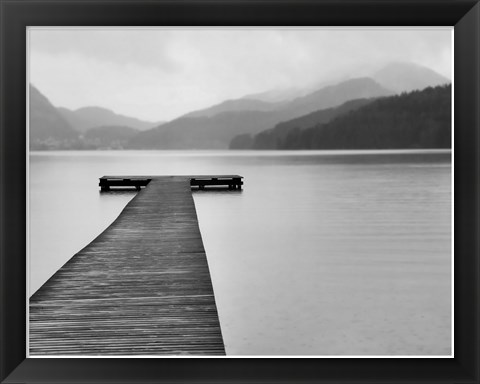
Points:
x=16 y=15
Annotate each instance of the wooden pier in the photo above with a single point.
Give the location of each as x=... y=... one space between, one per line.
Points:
x=142 y=287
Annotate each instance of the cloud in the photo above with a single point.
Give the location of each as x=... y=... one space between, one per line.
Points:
x=122 y=46
x=158 y=74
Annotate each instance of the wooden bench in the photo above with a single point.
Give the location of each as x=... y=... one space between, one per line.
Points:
x=232 y=182
x=107 y=182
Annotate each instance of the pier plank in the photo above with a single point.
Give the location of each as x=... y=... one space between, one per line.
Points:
x=142 y=287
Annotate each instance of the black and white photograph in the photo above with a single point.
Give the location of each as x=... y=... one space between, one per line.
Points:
x=240 y=192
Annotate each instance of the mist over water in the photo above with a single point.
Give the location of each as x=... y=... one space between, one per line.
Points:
x=322 y=253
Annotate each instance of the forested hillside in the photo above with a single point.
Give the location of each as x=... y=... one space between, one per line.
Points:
x=47 y=127
x=420 y=119
x=271 y=138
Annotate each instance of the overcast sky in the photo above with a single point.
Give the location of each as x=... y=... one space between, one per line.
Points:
x=160 y=74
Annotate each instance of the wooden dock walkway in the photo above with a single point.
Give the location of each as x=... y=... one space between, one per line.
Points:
x=142 y=287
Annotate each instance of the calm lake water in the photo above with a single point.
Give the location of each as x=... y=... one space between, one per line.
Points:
x=322 y=253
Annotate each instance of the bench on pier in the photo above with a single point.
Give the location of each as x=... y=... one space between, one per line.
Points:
x=106 y=182
x=233 y=182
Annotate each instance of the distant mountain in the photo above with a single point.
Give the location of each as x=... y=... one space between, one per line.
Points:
x=271 y=138
x=234 y=106
x=278 y=95
x=397 y=76
x=203 y=132
x=48 y=128
x=334 y=95
x=420 y=119
x=406 y=77
x=217 y=130
x=108 y=137
x=282 y=95
x=89 y=117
